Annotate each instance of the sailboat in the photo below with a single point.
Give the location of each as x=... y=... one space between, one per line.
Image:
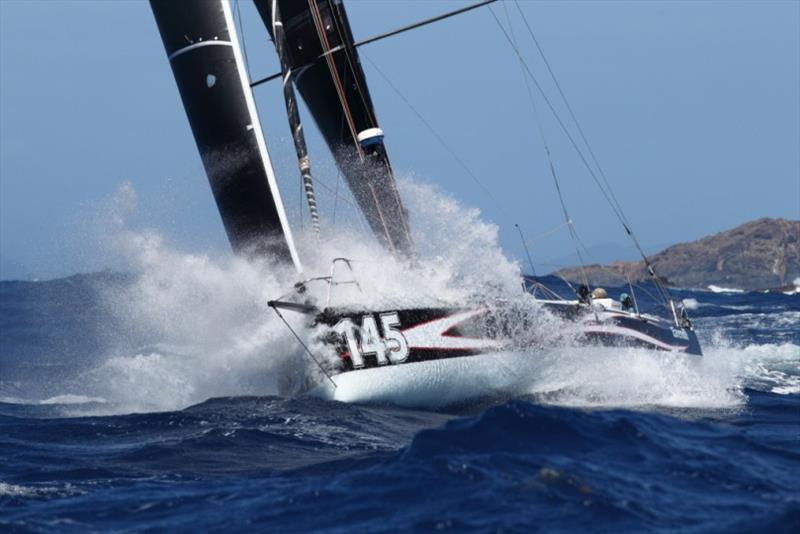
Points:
x=376 y=349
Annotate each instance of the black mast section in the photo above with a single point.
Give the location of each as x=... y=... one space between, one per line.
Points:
x=201 y=43
x=336 y=93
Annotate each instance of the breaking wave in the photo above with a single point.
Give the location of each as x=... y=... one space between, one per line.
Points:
x=720 y=289
x=192 y=326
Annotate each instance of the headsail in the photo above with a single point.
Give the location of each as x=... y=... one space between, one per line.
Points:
x=330 y=79
x=203 y=49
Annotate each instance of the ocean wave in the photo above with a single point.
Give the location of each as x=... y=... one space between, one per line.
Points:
x=280 y=461
x=720 y=289
x=73 y=399
x=19 y=492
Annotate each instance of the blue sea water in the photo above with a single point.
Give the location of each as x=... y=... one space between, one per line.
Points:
x=106 y=424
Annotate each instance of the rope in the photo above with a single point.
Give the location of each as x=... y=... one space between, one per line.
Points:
x=337 y=82
x=326 y=47
x=349 y=57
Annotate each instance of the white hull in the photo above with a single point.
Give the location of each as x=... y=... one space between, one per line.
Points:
x=437 y=383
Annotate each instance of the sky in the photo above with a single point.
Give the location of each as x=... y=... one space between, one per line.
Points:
x=692 y=108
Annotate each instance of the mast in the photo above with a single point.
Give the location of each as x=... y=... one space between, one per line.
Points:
x=335 y=91
x=204 y=52
x=294 y=117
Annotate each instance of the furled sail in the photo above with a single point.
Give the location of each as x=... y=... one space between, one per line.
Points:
x=328 y=74
x=203 y=50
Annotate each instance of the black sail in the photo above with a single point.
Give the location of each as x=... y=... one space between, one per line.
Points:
x=327 y=72
x=203 y=50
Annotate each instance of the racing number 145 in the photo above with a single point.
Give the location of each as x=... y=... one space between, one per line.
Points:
x=365 y=340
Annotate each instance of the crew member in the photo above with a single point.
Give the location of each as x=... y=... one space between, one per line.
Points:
x=583 y=294
x=599 y=293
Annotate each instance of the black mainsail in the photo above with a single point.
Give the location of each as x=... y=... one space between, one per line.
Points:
x=203 y=49
x=327 y=72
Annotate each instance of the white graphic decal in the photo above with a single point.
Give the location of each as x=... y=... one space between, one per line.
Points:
x=365 y=340
x=680 y=334
x=395 y=340
x=348 y=329
x=371 y=342
x=431 y=335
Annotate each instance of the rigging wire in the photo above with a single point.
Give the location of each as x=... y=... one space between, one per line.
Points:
x=333 y=191
x=430 y=128
x=244 y=44
x=305 y=347
x=423 y=23
x=337 y=82
x=572 y=115
x=605 y=191
x=355 y=67
x=544 y=234
x=349 y=57
x=338 y=175
x=336 y=194
x=558 y=87
x=527 y=252
x=614 y=202
x=374 y=38
x=316 y=16
x=567 y=219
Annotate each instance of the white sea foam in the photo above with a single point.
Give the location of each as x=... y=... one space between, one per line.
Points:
x=592 y=377
x=720 y=289
x=691 y=304
x=769 y=367
x=16 y=490
x=72 y=399
x=13 y=400
x=611 y=377
x=216 y=336
x=796 y=290
x=614 y=377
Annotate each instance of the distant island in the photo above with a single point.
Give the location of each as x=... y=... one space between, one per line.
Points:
x=760 y=254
